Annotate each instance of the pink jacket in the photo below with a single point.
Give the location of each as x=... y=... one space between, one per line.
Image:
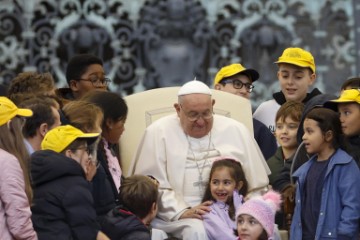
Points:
x=15 y=214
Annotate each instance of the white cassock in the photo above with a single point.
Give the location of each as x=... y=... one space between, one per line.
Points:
x=163 y=153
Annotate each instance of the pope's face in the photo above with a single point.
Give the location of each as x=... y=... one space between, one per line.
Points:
x=196 y=114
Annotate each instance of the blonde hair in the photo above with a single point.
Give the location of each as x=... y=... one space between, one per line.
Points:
x=82 y=115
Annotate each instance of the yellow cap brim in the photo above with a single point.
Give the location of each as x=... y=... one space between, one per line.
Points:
x=297 y=63
x=23 y=112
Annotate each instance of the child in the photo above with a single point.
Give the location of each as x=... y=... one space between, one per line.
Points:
x=236 y=79
x=287 y=123
x=328 y=191
x=88 y=118
x=84 y=73
x=296 y=74
x=139 y=207
x=107 y=181
x=348 y=105
x=15 y=189
x=63 y=205
x=255 y=218
x=226 y=188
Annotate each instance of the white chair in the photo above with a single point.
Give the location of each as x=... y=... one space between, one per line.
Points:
x=148 y=106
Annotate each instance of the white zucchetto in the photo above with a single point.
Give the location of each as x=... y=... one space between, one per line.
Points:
x=194 y=86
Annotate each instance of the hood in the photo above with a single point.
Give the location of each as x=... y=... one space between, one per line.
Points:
x=316 y=101
x=280 y=97
x=47 y=165
x=124 y=221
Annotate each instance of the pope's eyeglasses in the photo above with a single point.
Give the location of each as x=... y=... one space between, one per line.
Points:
x=194 y=116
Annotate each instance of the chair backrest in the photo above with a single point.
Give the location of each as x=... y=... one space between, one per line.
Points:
x=148 y=106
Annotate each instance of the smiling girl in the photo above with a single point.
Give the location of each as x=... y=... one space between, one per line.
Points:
x=226 y=188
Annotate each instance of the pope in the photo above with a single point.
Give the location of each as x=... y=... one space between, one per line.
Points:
x=179 y=150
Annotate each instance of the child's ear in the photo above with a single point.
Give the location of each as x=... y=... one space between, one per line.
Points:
x=68 y=153
x=217 y=86
x=109 y=123
x=73 y=85
x=239 y=185
x=312 y=78
x=154 y=207
x=328 y=136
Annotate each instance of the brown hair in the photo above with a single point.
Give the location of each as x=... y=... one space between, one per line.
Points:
x=82 y=115
x=12 y=141
x=236 y=172
x=351 y=83
x=138 y=193
x=290 y=109
x=31 y=82
x=42 y=113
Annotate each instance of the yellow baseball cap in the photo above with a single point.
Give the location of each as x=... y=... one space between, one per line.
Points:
x=298 y=57
x=347 y=96
x=57 y=139
x=8 y=110
x=235 y=68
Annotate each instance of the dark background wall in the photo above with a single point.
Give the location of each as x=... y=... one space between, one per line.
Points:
x=147 y=44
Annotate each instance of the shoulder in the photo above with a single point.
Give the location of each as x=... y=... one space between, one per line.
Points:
x=9 y=164
x=267 y=104
x=5 y=156
x=276 y=157
x=341 y=157
x=266 y=108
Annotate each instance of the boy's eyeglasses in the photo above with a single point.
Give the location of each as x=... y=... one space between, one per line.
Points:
x=239 y=84
x=96 y=81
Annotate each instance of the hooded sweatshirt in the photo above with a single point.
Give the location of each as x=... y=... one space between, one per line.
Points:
x=121 y=224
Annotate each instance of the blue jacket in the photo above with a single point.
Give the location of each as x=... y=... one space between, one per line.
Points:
x=340 y=204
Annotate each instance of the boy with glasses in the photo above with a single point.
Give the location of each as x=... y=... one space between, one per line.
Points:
x=238 y=80
x=84 y=73
x=62 y=203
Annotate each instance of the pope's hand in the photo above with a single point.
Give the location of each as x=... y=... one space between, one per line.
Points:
x=197 y=211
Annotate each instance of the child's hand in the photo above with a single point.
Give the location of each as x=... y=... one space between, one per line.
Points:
x=197 y=211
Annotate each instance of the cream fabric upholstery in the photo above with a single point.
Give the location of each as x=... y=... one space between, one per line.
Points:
x=148 y=106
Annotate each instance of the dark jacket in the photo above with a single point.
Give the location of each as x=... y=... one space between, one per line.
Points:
x=264 y=138
x=122 y=224
x=276 y=164
x=352 y=147
x=65 y=93
x=104 y=191
x=280 y=97
x=62 y=204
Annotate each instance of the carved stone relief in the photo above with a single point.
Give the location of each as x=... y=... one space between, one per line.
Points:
x=147 y=44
